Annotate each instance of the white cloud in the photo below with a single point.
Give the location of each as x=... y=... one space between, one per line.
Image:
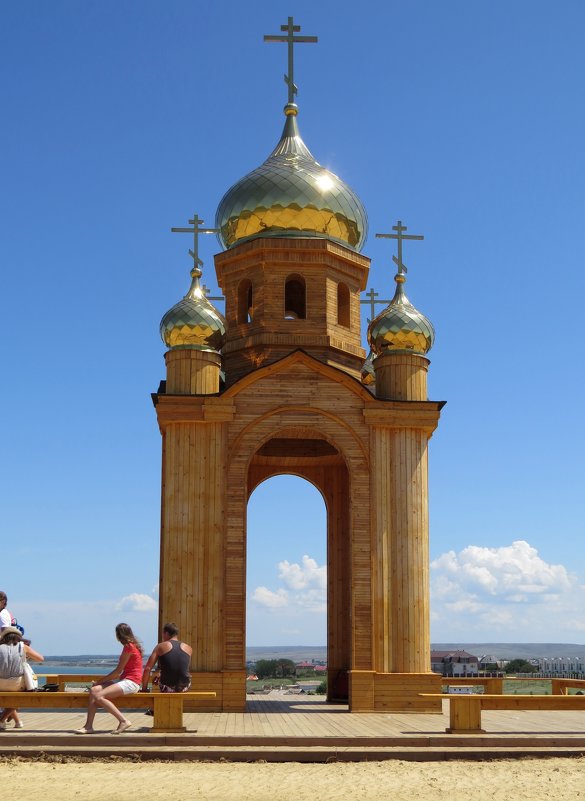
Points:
x=508 y=592
x=514 y=573
x=272 y=600
x=137 y=602
x=300 y=577
x=304 y=590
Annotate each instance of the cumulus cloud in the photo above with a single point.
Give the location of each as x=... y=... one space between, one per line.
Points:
x=514 y=573
x=272 y=600
x=508 y=591
x=306 y=575
x=304 y=587
x=137 y=602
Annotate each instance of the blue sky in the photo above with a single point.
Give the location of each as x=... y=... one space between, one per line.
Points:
x=120 y=119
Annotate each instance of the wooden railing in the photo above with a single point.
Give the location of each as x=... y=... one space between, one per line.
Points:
x=495 y=686
x=79 y=678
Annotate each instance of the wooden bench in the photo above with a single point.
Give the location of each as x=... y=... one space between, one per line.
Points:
x=465 y=710
x=167 y=707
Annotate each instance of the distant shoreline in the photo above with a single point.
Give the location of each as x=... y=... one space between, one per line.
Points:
x=300 y=653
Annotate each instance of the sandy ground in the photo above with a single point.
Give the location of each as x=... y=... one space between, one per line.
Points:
x=513 y=780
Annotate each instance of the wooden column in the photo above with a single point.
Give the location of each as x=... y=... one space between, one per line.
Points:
x=192 y=526
x=401 y=376
x=336 y=490
x=401 y=528
x=192 y=372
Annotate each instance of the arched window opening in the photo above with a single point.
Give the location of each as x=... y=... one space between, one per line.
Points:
x=295 y=304
x=245 y=306
x=343 y=305
x=286 y=572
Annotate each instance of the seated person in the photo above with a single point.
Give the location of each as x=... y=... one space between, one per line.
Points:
x=124 y=679
x=174 y=660
x=14 y=652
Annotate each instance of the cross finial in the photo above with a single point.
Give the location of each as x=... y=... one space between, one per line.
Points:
x=196 y=222
x=291 y=40
x=372 y=303
x=400 y=236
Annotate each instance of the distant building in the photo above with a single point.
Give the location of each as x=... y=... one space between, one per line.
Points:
x=560 y=665
x=454 y=663
x=490 y=663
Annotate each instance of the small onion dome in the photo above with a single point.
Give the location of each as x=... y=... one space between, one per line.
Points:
x=401 y=327
x=368 y=374
x=193 y=322
x=291 y=195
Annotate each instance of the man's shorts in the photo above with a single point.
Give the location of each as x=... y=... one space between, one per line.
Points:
x=179 y=688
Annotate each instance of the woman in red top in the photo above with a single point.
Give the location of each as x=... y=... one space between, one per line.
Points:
x=124 y=679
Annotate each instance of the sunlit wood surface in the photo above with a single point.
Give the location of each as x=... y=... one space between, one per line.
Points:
x=285 y=727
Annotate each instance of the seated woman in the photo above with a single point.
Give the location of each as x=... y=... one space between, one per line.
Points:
x=13 y=654
x=123 y=680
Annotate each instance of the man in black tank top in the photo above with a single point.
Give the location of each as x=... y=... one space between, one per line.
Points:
x=174 y=660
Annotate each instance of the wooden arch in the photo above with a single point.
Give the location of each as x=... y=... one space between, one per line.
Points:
x=340 y=472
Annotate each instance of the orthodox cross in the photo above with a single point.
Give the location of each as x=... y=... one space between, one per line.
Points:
x=196 y=222
x=206 y=292
x=372 y=302
x=291 y=40
x=400 y=236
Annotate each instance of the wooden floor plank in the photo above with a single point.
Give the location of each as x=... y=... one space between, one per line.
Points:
x=293 y=717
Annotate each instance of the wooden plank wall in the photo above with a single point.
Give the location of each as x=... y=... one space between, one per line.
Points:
x=267 y=264
x=401 y=558
x=192 y=372
x=377 y=517
x=409 y=552
x=192 y=576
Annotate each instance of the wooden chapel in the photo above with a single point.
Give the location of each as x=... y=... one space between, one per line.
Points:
x=281 y=385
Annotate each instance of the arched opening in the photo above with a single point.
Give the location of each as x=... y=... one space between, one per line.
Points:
x=343 y=315
x=286 y=580
x=245 y=301
x=295 y=301
x=298 y=485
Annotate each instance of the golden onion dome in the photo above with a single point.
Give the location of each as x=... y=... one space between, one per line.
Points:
x=401 y=327
x=291 y=195
x=193 y=322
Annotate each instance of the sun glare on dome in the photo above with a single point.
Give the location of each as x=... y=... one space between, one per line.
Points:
x=324 y=182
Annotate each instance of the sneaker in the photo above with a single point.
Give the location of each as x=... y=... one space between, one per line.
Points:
x=19 y=725
x=2 y=726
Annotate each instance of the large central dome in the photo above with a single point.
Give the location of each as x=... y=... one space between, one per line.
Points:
x=291 y=195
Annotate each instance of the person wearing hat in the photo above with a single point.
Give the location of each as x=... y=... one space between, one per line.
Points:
x=13 y=653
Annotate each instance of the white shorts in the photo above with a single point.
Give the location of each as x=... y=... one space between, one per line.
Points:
x=127 y=686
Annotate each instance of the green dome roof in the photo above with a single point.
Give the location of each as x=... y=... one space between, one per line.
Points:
x=193 y=322
x=400 y=326
x=291 y=195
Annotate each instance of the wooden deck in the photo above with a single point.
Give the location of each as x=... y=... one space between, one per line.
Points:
x=279 y=727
